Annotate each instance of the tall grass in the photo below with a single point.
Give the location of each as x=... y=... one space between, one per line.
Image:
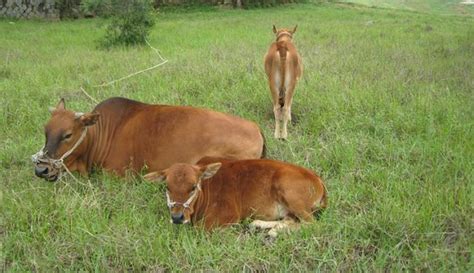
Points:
x=384 y=113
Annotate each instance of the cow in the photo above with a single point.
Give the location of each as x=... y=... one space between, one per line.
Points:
x=220 y=192
x=122 y=134
x=283 y=67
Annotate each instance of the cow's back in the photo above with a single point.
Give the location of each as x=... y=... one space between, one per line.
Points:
x=254 y=187
x=160 y=135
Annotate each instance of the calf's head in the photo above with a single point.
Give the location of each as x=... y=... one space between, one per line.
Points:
x=284 y=32
x=64 y=132
x=183 y=182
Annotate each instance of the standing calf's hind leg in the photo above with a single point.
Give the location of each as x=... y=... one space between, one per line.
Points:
x=286 y=109
x=285 y=114
x=277 y=112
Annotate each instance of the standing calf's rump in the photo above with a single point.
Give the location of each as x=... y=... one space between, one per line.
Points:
x=275 y=194
x=121 y=134
x=283 y=67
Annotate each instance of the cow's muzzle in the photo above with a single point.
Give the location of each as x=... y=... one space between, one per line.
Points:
x=177 y=218
x=46 y=172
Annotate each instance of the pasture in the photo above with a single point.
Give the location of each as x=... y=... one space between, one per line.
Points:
x=384 y=113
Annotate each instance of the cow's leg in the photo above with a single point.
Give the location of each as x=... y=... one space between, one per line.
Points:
x=274 y=82
x=284 y=225
x=277 y=114
x=286 y=116
x=286 y=110
x=263 y=224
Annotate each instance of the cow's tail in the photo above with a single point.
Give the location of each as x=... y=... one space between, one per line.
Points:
x=264 y=148
x=282 y=48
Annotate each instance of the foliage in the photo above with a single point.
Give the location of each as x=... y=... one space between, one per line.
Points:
x=68 y=8
x=383 y=113
x=267 y=3
x=94 y=8
x=130 y=25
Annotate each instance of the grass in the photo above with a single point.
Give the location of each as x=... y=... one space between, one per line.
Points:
x=429 y=6
x=384 y=113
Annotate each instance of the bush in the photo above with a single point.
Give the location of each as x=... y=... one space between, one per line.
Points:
x=131 y=23
x=266 y=3
x=92 y=8
x=68 y=8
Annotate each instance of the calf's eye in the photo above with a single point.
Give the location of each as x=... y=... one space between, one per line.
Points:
x=67 y=136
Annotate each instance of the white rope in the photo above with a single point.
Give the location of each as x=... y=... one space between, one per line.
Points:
x=188 y=202
x=58 y=164
x=163 y=61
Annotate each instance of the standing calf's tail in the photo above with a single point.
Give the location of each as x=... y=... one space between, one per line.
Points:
x=282 y=49
x=264 y=148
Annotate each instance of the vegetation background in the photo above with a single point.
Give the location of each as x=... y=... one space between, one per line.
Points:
x=384 y=113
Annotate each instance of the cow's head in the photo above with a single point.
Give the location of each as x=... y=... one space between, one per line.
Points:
x=64 y=132
x=284 y=32
x=183 y=183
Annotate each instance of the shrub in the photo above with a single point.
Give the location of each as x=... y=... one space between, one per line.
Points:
x=92 y=8
x=68 y=8
x=131 y=23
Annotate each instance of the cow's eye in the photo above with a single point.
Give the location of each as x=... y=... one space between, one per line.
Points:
x=67 y=136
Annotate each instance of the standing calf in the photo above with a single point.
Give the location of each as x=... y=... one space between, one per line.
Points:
x=275 y=194
x=283 y=67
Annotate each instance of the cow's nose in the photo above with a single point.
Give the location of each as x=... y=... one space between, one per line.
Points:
x=41 y=171
x=177 y=218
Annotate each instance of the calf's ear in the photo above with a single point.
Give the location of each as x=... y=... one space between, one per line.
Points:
x=294 y=29
x=209 y=170
x=156 y=176
x=60 y=106
x=88 y=119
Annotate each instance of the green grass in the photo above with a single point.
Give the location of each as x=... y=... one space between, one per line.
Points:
x=436 y=6
x=384 y=113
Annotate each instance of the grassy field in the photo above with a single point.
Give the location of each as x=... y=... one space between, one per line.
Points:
x=384 y=113
x=429 y=6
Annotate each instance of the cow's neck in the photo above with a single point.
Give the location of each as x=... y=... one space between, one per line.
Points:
x=98 y=141
x=201 y=203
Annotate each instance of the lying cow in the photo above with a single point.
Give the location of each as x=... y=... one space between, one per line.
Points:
x=121 y=134
x=275 y=194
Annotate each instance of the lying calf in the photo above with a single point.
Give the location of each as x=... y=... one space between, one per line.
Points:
x=275 y=194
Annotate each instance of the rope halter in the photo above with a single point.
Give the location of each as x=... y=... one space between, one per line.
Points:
x=186 y=205
x=58 y=164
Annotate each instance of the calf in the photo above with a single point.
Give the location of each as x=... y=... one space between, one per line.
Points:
x=275 y=194
x=283 y=67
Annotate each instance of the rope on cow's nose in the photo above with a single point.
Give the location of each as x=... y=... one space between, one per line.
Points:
x=59 y=163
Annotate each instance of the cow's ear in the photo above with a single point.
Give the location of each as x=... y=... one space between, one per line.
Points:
x=156 y=176
x=274 y=29
x=209 y=170
x=88 y=119
x=294 y=29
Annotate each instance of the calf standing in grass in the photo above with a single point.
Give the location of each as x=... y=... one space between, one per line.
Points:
x=283 y=67
x=277 y=195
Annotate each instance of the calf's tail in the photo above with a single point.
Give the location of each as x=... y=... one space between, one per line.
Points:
x=282 y=48
x=264 y=148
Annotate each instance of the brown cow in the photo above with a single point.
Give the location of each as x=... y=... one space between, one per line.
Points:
x=275 y=194
x=121 y=134
x=283 y=67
